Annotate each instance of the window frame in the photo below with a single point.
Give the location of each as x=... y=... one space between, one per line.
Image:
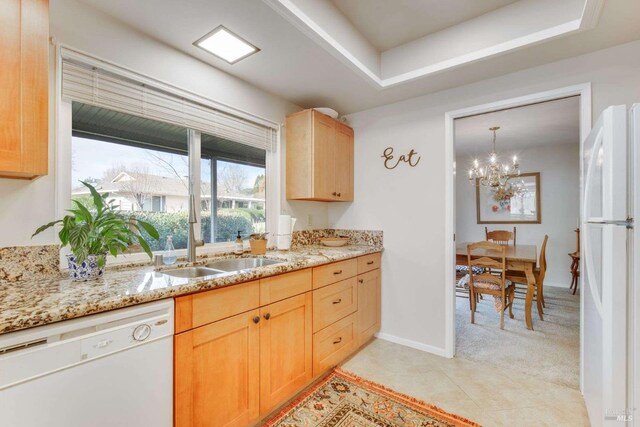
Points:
x=213 y=159
x=62 y=141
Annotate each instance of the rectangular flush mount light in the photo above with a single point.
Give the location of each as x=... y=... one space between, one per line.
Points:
x=226 y=45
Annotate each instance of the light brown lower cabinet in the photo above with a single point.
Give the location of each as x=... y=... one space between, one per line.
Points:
x=231 y=370
x=285 y=350
x=334 y=302
x=369 y=301
x=334 y=343
x=216 y=372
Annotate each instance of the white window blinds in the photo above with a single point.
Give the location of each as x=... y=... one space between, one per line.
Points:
x=95 y=86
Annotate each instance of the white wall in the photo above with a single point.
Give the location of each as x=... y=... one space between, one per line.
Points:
x=26 y=205
x=559 y=167
x=408 y=203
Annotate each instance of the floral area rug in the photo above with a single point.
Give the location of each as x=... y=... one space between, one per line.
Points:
x=342 y=399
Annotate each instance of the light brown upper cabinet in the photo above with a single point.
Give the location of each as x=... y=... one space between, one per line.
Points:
x=319 y=158
x=24 y=55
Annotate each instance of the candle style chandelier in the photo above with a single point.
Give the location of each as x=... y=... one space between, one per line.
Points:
x=496 y=175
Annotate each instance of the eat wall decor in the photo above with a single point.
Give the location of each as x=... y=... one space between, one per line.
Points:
x=390 y=161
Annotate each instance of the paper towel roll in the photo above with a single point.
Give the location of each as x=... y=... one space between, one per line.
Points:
x=284 y=224
x=284 y=243
x=285 y=228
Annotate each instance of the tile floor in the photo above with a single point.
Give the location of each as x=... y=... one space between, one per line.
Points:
x=487 y=395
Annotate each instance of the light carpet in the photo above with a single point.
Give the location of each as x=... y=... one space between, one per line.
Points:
x=550 y=352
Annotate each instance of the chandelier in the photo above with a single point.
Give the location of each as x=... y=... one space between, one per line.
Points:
x=496 y=175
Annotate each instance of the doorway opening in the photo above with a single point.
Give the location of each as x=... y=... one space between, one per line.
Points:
x=534 y=191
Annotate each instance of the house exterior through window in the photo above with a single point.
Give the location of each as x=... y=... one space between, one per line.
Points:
x=144 y=166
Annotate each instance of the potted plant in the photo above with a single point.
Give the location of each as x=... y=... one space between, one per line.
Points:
x=258 y=243
x=92 y=232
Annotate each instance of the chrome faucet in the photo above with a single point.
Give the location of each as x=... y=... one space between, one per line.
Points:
x=192 y=242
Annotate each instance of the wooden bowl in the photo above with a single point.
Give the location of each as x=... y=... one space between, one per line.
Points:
x=334 y=242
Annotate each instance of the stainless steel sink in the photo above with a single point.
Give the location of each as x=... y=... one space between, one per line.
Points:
x=192 y=272
x=239 y=264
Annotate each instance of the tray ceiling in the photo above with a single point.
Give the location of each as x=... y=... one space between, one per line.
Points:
x=508 y=27
x=387 y=24
x=298 y=65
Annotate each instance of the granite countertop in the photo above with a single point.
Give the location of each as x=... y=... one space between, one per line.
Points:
x=30 y=303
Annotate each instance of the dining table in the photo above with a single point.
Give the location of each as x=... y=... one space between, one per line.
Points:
x=519 y=258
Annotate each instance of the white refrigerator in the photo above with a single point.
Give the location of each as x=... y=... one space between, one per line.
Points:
x=610 y=267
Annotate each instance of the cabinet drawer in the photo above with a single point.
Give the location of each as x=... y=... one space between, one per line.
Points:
x=206 y=307
x=332 y=273
x=334 y=302
x=281 y=287
x=333 y=344
x=368 y=263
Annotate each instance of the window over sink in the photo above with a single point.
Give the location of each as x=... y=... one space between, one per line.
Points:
x=144 y=166
x=153 y=145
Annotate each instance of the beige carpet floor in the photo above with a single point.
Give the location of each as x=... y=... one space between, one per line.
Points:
x=550 y=352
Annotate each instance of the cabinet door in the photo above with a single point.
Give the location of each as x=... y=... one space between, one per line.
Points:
x=323 y=157
x=343 y=157
x=299 y=159
x=368 y=305
x=216 y=373
x=35 y=88
x=24 y=106
x=10 y=78
x=285 y=350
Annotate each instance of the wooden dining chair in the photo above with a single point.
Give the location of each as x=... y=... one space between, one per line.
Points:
x=486 y=283
x=575 y=264
x=501 y=237
x=518 y=277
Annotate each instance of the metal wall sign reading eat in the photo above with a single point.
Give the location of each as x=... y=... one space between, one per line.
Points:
x=390 y=161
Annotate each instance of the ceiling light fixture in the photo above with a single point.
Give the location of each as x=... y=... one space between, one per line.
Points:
x=496 y=175
x=226 y=45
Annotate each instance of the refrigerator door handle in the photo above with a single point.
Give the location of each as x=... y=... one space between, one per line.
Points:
x=622 y=222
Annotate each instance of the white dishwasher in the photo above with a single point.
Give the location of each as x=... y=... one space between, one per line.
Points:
x=109 y=369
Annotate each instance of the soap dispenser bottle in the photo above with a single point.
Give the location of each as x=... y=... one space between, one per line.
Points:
x=169 y=257
x=239 y=246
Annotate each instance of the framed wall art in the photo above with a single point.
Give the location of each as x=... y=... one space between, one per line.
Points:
x=513 y=204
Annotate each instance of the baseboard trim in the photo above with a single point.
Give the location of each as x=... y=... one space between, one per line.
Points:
x=557 y=285
x=413 y=344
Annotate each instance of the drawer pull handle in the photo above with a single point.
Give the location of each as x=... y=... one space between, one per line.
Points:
x=267 y=316
x=360 y=280
x=256 y=319
x=334 y=194
x=339 y=194
x=338 y=301
x=338 y=341
x=337 y=272
x=370 y=263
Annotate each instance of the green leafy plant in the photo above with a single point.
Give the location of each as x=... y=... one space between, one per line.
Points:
x=97 y=228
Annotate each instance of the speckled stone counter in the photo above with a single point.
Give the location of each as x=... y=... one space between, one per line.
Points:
x=26 y=304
